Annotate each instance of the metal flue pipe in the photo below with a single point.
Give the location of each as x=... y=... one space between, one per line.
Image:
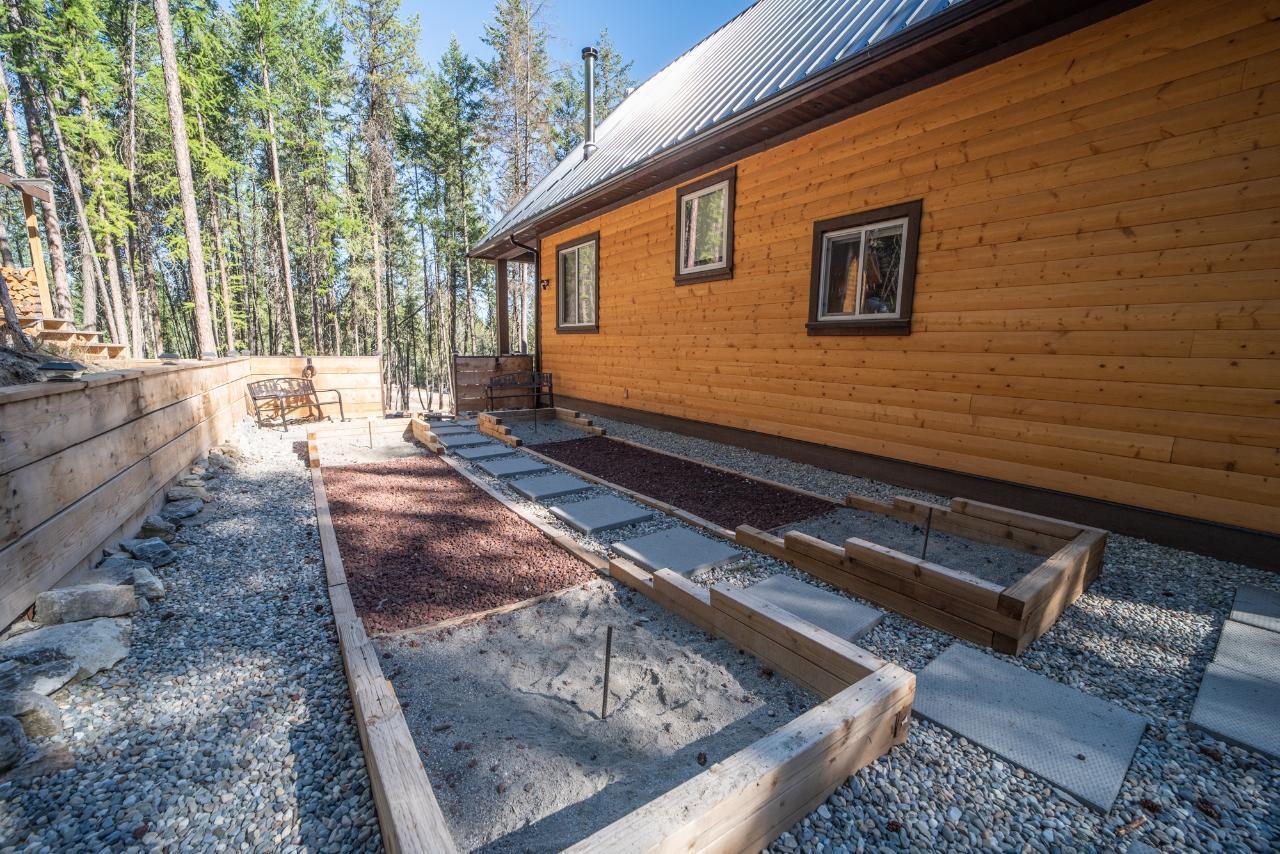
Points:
x=589 y=57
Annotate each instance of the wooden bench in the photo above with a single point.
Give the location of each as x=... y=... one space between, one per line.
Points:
x=520 y=384
x=276 y=397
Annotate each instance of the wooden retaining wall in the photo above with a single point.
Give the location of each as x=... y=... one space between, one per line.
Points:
x=82 y=462
x=1096 y=307
x=358 y=378
x=471 y=377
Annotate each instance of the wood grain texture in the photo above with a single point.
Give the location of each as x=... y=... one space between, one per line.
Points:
x=95 y=457
x=1096 y=306
x=357 y=378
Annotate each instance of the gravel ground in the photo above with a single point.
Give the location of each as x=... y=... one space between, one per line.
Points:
x=420 y=543
x=1141 y=637
x=545 y=431
x=228 y=726
x=988 y=561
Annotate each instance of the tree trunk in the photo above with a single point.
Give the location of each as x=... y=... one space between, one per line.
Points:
x=130 y=164
x=375 y=232
x=205 y=344
x=277 y=192
x=90 y=265
x=35 y=139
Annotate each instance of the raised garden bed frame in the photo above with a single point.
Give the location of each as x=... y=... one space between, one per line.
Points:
x=1007 y=619
x=742 y=803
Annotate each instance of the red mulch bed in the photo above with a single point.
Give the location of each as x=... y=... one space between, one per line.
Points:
x=729 y=500
x=420 y=544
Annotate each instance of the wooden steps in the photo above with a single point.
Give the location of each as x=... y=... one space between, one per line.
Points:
x=62 y=332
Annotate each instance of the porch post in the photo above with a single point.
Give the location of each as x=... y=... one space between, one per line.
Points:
x=504 y=337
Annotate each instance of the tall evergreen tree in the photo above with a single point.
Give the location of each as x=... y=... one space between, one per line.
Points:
x=205 y=343
x=613 y=81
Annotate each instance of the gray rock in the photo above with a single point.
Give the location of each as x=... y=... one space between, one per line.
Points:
x=13 y=742
x=185 y=493
x=219 y=460
x=84 y=602
x=157 y=526
x=146 y=584
x=154 y=551
x=192 y=480
x=40 y=717
x=43 y=671
x=91 y=645
x=50 y=758
x=175 y=510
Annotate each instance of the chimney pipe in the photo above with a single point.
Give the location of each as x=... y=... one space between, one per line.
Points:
x=589 y=57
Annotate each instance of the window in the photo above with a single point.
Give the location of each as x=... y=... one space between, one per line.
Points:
x=577 y=285
x=864 y=272
x=704 y=229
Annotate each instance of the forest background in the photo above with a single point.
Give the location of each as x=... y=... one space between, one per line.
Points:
x=284 y=176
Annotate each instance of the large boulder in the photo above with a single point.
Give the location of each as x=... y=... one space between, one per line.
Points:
x=85 y=602
x=13 y=742
x=157 y=526
x=91 y=645
x=40 y=717
x=185 y=493
x=176 y=510
x=42 y=672
x=153 y=550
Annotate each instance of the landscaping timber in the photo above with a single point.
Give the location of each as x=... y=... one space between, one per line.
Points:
x=409 y=816
x=746 y=801
x=1006 y=618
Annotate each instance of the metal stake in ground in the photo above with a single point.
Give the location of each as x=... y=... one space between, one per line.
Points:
x=928 y=526
x=608 y=653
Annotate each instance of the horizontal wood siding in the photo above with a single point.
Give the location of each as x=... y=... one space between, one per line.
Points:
x=82 y=462
x=1097 y=306
x=358 y=378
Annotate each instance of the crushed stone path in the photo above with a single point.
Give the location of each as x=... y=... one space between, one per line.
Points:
x=228 y=726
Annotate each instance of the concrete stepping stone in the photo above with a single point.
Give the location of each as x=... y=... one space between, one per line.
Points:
x=1077 y=742
x=450 y=430
x=842 y=617
x=463 y=440
x=677 y=549
x=484 y=452
x=512 y=466
x=1239 y=708
x=601 y=514
x=549 y=486
x=1257 y=606
x=1250 y=650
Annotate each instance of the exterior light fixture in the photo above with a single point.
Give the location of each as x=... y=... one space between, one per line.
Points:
x=170 y=358
x=62 y=371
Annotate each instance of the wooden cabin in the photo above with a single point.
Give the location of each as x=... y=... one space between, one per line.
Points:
x=1022 y=250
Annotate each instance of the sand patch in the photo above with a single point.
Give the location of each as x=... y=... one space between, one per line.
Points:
x=506 y=713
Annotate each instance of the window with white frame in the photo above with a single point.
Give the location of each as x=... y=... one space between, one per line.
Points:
x=577 y=285
x=864 y=270
x=704 y=229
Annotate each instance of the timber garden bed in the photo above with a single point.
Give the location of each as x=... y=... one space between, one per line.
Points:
x=684 y=663
x=991 y=575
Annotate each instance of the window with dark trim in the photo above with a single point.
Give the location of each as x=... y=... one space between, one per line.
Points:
x=864 y=270
x=704 y=228
x=578 y=285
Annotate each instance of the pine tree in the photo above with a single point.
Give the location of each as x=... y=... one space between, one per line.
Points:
x=385 y=61
x=204 y=340
x=518 y=116
x=613 y=82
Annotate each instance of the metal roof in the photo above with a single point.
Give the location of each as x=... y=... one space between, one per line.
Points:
x=771 y=47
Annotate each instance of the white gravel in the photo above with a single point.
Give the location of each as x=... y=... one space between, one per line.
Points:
x=228 y=726
x=1140 y=637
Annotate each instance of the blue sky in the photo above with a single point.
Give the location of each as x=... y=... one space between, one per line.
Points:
x=650 y=32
